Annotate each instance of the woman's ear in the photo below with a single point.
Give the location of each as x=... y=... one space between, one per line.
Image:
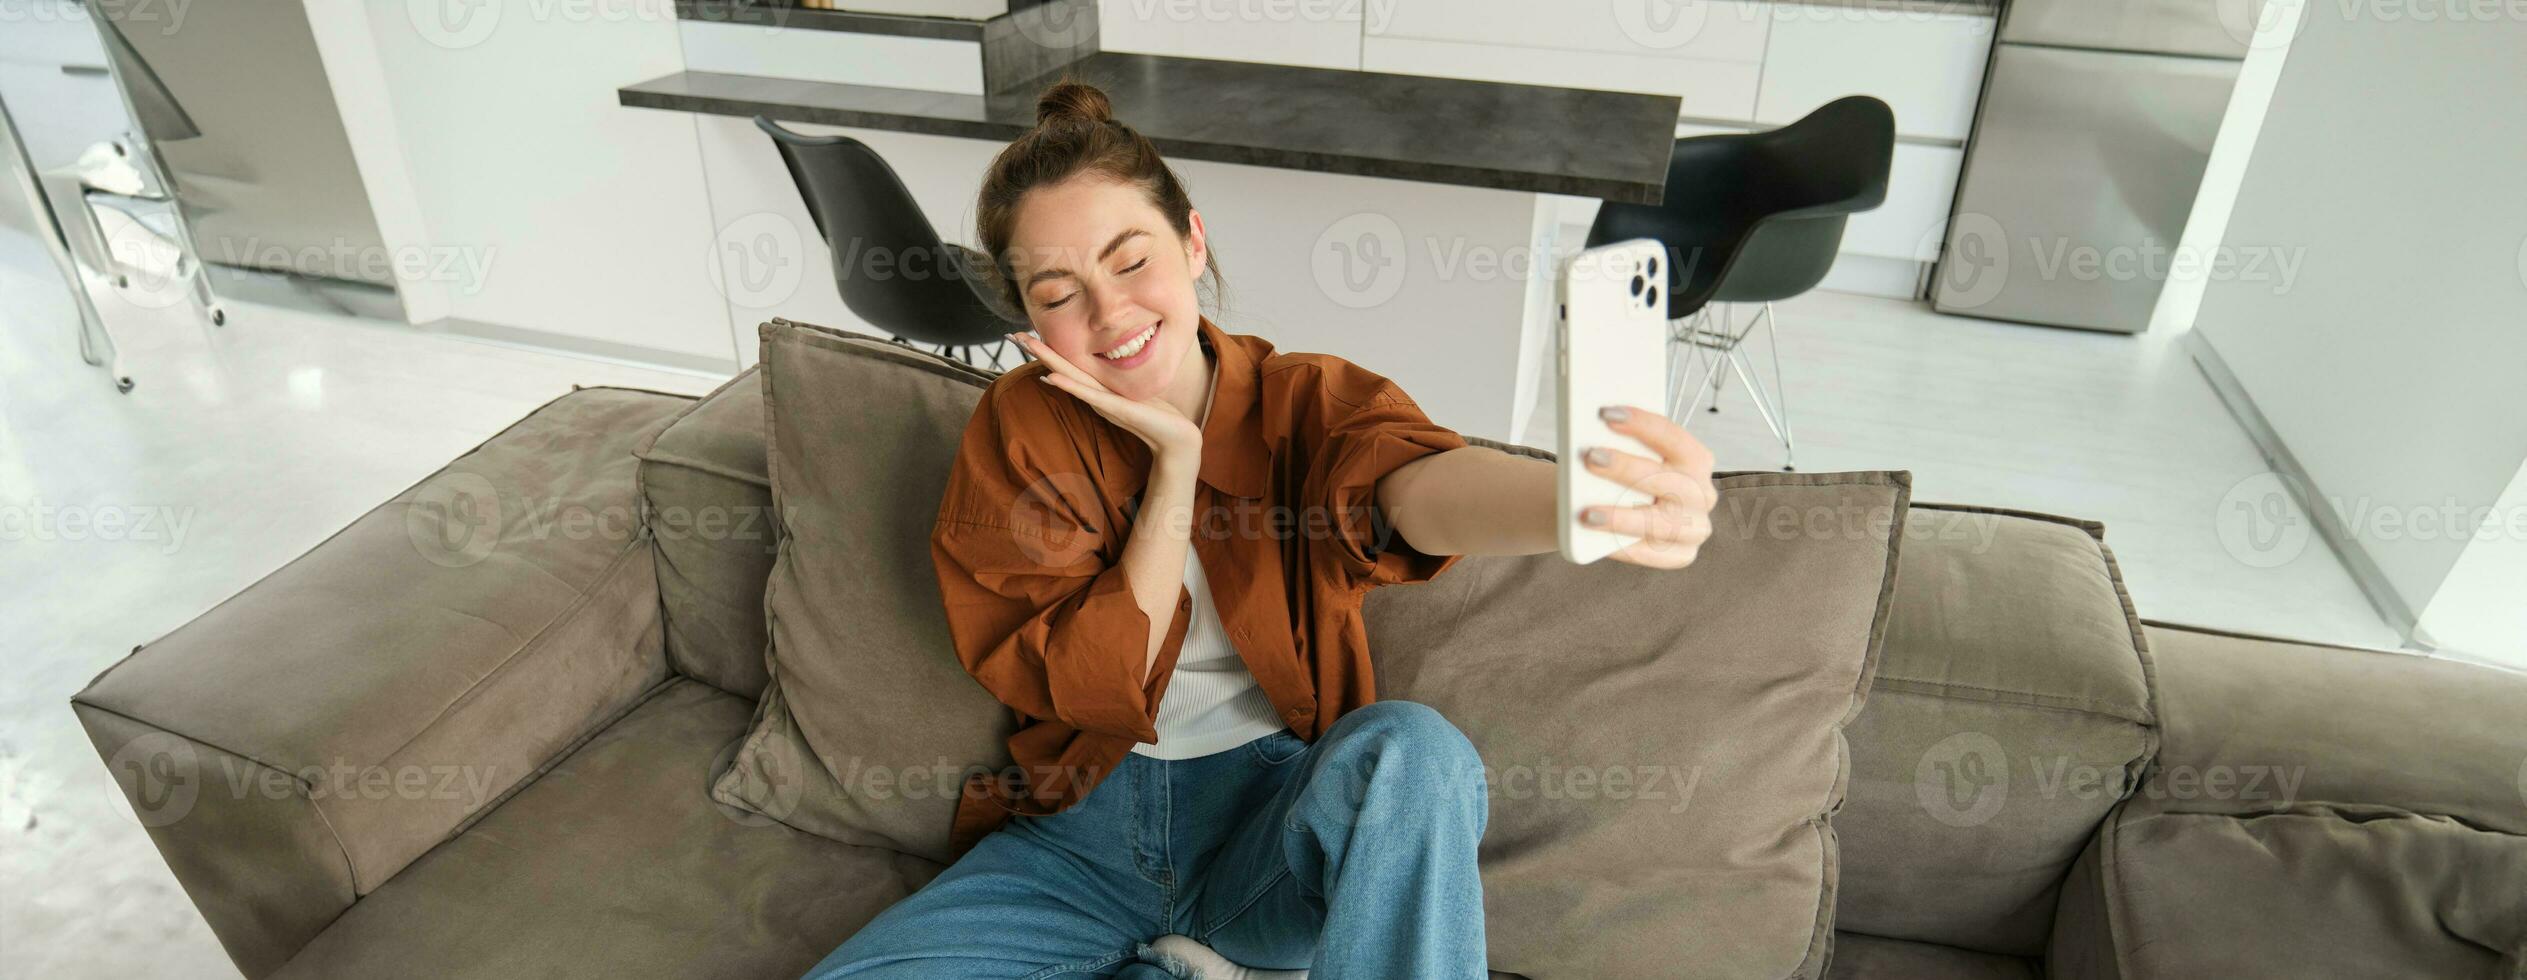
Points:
x=1197 y=244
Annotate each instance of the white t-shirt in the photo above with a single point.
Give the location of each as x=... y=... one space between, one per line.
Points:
x=1212 y=703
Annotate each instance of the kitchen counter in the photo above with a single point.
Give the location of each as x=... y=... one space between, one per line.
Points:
x=1607 y=145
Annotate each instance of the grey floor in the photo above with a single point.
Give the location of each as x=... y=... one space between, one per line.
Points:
x=251 y=443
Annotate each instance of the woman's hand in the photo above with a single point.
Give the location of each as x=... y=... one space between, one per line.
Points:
x=1673 y=525
x=1159 y=424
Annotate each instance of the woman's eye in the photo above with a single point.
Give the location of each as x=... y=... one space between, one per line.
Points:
x=1136 y=266
x=1056 y=304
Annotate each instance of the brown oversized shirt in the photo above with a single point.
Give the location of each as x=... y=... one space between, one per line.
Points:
x=1029 y=542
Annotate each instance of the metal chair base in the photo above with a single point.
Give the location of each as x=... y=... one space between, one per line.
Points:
x=1714 y=341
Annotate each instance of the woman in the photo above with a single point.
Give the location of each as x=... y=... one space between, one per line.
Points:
x=1153 y=548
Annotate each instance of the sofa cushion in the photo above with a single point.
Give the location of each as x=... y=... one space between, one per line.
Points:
x=709 y=508
x=1663 y=748
x=1861 y=957
x=2316 y=811
x=870 y=724
x=2011 y=710
x=615 y=863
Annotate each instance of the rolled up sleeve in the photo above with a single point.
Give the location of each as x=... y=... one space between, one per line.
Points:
x=1037 y=613
x=1371 y=429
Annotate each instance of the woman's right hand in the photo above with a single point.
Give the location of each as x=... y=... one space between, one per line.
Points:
x=1168 y=433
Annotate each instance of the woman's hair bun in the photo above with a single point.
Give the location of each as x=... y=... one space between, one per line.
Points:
x=1073 y=101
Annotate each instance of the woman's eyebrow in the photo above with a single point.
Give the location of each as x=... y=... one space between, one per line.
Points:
x=1056 y=272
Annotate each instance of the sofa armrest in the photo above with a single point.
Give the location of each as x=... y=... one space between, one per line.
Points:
x=297 y=745
x=2313 y=811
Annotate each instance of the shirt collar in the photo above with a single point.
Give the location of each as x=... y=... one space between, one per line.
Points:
x=1233 y=453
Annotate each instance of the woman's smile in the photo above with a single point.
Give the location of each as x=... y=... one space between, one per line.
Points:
x=1135 y=351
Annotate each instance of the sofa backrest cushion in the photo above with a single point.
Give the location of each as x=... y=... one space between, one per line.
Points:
x=708 y=501
x=869 y=724
x=2013 y=708
x=1663 y=748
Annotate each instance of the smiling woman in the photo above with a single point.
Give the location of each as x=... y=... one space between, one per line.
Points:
x=1269 y=809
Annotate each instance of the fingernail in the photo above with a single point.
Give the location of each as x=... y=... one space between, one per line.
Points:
x=1600 y=457
x=1614 y=413
x=1592 y=517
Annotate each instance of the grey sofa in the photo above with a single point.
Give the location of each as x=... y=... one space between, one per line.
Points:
x=472 y=735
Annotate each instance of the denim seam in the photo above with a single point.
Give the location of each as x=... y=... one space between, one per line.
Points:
x=1212 y=928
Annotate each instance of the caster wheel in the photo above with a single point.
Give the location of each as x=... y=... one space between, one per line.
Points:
x=1789 y=469
x=219 y=318
x=1715 y=409
x=123 y=385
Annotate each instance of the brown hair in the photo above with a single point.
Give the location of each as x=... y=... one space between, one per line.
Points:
x=1075 y=132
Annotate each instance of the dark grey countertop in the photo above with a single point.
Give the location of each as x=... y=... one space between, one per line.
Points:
x=1608 y=145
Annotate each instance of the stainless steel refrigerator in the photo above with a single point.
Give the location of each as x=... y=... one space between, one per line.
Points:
x=2096 y=119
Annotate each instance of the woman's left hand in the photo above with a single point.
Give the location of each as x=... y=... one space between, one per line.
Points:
x=1673 y=525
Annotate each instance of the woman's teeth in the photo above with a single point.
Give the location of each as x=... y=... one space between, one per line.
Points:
x=1132 y=346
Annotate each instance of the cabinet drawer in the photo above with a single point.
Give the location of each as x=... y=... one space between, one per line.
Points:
x=1712 y=89
x=1927 y=66
x=1723 y=30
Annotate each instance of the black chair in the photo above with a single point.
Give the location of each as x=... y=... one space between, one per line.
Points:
x=1754 y=218
x=927 y=291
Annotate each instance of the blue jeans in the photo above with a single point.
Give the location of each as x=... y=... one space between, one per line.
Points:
x=1353 y=857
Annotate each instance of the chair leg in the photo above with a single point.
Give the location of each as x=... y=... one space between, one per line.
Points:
x=1770 y=401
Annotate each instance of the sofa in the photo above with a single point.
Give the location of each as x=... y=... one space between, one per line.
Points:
x=473 y=734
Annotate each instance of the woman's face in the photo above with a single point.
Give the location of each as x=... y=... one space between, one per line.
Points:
x=1101 y=272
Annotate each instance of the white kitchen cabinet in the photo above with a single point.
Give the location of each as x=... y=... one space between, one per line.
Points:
x=1927 y=66
x=1307 y=33
x=1920 y=187
x=1709 y=52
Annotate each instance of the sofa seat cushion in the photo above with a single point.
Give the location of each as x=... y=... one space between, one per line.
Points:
x=616 y=863
x=2315 y=811
x=1860 y=957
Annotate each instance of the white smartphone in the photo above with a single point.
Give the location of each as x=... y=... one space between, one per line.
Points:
x=1610 y=348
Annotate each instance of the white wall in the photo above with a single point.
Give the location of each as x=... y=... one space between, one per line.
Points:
x=2394 y=365
x=590 y=222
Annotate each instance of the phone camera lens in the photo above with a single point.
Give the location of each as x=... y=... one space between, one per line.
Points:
x=1637 y=283
x=1653 y=265
x=1653 y=297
